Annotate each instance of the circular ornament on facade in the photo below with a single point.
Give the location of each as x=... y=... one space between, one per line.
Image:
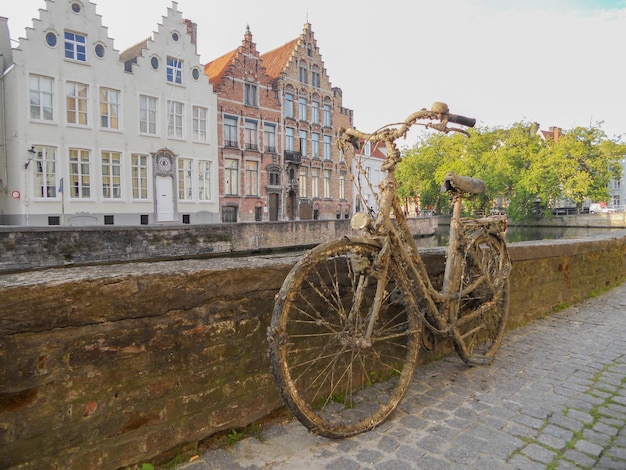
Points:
x=99 y=49
x=154 y=62
x=76 y=7
x=195 y=73
x=164 y=163
x=175 y=36
x=51 y=39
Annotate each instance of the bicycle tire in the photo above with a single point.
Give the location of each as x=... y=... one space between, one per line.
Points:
x=333 y=385
x=484 y=312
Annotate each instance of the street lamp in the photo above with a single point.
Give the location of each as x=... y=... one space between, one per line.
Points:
x=31 y=155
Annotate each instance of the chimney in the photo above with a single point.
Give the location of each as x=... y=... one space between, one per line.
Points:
x=192 y=30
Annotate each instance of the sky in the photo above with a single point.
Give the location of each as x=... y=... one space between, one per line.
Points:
x=556 y=62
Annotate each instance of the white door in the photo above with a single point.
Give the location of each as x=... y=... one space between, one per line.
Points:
x=164 y=198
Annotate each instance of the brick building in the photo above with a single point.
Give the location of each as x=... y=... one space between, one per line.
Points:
x=316 y=177
x=249 y=136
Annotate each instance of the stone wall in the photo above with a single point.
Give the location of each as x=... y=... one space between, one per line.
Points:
x=106 y=366
x=24 y=248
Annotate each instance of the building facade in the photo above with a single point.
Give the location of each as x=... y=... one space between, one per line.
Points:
x=97 y=137
x=366 y=168
x=249 y=136
x=315 y=174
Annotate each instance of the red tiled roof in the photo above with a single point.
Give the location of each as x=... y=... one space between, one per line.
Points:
x=276 y=60
x=216 y=69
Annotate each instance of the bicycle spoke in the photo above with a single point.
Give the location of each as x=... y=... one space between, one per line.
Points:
x=335 y=381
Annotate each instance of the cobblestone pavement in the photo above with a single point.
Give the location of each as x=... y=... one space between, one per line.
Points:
x=554 y=398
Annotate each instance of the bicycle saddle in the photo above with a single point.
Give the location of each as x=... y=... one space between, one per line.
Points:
x=465 y=184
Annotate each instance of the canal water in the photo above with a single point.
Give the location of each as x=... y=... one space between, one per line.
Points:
x=519 y=234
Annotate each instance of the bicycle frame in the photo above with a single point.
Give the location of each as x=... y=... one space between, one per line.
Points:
x=385 y=230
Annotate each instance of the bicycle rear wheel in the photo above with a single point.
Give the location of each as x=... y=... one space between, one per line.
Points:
x=330 y=379
x=483 y=313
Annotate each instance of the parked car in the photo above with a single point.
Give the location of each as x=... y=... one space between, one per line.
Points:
x=597 y=208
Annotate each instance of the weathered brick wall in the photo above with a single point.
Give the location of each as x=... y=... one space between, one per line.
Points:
x=103 y=367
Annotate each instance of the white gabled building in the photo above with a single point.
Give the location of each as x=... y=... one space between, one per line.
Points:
x=91 y=136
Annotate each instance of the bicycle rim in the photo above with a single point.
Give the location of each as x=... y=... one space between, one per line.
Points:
x=483 y=313
x=332 y=383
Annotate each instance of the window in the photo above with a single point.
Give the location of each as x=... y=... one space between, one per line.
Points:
x=174 y=70
x=231 y=176
x=139 y=173
x=99 y=50
x=327 y=147
x=109 y=108
x=250 y=94
x=51 y=39
x=303 y=143
x=302 y=72
x=41 y=91
x=147 y=115
x=315 y=112
x=45 y=172
x=273 y=178
x=250 y=135
x=304 y=181
x=302 y=108
x=327 y=122
x=315 y=77
x=288 y=105
x=342 y=185
x=289 y=137
x=269 y=137
x=315 y=145
x=77 y=104
x=80 y=174
x=204 y=180
x=200 y=123
x=229 y=214
x=75 y=46
x=252 y=178
x=111 y=174
x=175 y=119
x=185 y=191
x=327 y=176
x=315 y=182
x=230 y=132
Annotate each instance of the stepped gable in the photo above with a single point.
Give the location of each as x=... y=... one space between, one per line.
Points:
x=244 y=62
x=218 y=68
x=280 y=59
x=276 y=60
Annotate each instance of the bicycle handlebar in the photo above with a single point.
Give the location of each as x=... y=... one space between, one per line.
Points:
x=438 y=112
x=462 y=120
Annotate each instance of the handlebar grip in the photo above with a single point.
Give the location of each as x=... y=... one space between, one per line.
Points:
x=462 y=120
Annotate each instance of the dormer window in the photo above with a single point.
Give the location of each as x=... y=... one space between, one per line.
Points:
x=75 y=46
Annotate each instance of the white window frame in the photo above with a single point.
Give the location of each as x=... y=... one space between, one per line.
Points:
x=204 y=181
x=139 y=174
x=148 y=112
x=45 y=172
x=174 y=70
x=175 y=119
x=200 y=123
x=111 y=175
x=41 y=97
x=80 y=174
x=251 y=177
x=185 y=179
x=109 y=108
x=75 y=45
x=77 y=103
x=231 y=177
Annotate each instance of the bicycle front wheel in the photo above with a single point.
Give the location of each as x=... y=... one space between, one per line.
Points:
x=332 y=378
x=484 y=311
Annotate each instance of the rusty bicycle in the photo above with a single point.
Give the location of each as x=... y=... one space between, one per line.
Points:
x=352 y=314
